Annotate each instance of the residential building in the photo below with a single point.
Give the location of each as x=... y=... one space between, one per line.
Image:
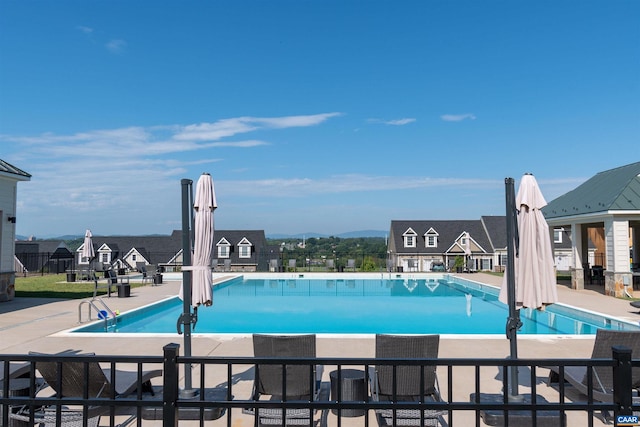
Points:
x=9 y=178
x=416 y=245
x=244 y=249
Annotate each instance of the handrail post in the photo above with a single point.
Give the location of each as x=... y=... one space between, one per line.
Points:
x=622 y=396
x=170 y=385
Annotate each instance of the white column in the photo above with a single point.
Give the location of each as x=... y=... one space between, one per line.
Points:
x=616 y=235
x=636 y=244
x=577 y=272
x=576 y=245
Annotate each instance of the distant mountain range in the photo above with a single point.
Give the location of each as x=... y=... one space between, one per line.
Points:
x=347 y=235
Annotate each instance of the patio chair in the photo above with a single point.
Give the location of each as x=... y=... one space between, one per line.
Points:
x=301 y=382
x=292 y=264
x=602 y=390
x=109 y=285
x=227 y=265
x=16 y=370
x=146 y=275
x=351 y=263
x=406 y=383
x=330 y=265
x=75 y=376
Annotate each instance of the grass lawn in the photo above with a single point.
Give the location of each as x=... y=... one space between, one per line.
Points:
x=56 y=286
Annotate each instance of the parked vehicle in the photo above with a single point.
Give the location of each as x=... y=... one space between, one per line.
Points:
x=438 y=266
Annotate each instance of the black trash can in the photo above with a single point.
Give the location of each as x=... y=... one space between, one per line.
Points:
x=124 y=290
x=341 y=269
x=157 y=279
x=352 y=389
x=399 y=269
x=71 y=277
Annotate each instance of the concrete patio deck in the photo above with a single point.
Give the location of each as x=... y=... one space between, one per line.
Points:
x=32 y=324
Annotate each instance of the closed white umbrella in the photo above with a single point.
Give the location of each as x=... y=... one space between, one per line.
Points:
x=529 y=279
x=87 y=248
x=204 y=204
x=467 y=251
x=535 y=280
x=196 y=276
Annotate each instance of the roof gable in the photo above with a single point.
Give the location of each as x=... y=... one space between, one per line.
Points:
x=244 y=242
x=612 y=190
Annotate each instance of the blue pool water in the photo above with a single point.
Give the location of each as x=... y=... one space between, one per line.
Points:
x=357 y=306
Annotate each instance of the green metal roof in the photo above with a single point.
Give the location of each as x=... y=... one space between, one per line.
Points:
x=612 y=190
x=9 y=169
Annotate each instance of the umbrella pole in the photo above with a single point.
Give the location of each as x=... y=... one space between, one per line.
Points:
x=186 y=319
x=513 y=321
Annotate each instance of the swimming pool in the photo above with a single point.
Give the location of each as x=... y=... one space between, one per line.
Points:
x=350 y=305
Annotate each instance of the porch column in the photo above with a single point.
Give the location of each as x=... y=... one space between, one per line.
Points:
x=618 y=273
x=577 y=271
x=635 y=232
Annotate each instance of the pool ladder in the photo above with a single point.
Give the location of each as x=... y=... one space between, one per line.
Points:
x=95 y=304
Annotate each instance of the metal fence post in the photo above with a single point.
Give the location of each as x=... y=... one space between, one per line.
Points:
x=622 y=396
x=170 y=385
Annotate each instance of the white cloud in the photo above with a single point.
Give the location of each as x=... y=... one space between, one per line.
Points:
x=394 y=122
x=400 y=122
x=230 y=127
x=295 y=121
x=116 y=45
x=84 y=29
x=457 y=117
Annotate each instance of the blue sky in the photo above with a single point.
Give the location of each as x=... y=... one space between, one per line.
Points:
x=311 y=116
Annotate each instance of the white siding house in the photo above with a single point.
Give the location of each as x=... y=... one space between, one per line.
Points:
x=9 y=178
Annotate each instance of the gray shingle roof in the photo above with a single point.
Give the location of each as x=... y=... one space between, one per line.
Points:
x=496 y=227
x=448 y=232
x=160 y=249
x=612 y=190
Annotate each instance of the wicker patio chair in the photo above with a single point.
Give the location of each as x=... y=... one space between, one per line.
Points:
x=69 y=378
x=406 y=383
x=602 y=390
x=302 y=382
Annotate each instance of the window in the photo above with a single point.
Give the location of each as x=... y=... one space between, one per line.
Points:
x=431 y=238
x=410 y=241
x=223 y=251
x=244 y=247
x=410 y=238
x=557 y=235
x=224 y=248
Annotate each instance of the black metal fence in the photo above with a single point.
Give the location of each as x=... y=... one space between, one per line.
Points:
x=223 y=392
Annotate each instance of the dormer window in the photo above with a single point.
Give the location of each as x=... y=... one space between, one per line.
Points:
x=224 y=248
x=244 y=248
x=431 y=238
x=410 y=238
